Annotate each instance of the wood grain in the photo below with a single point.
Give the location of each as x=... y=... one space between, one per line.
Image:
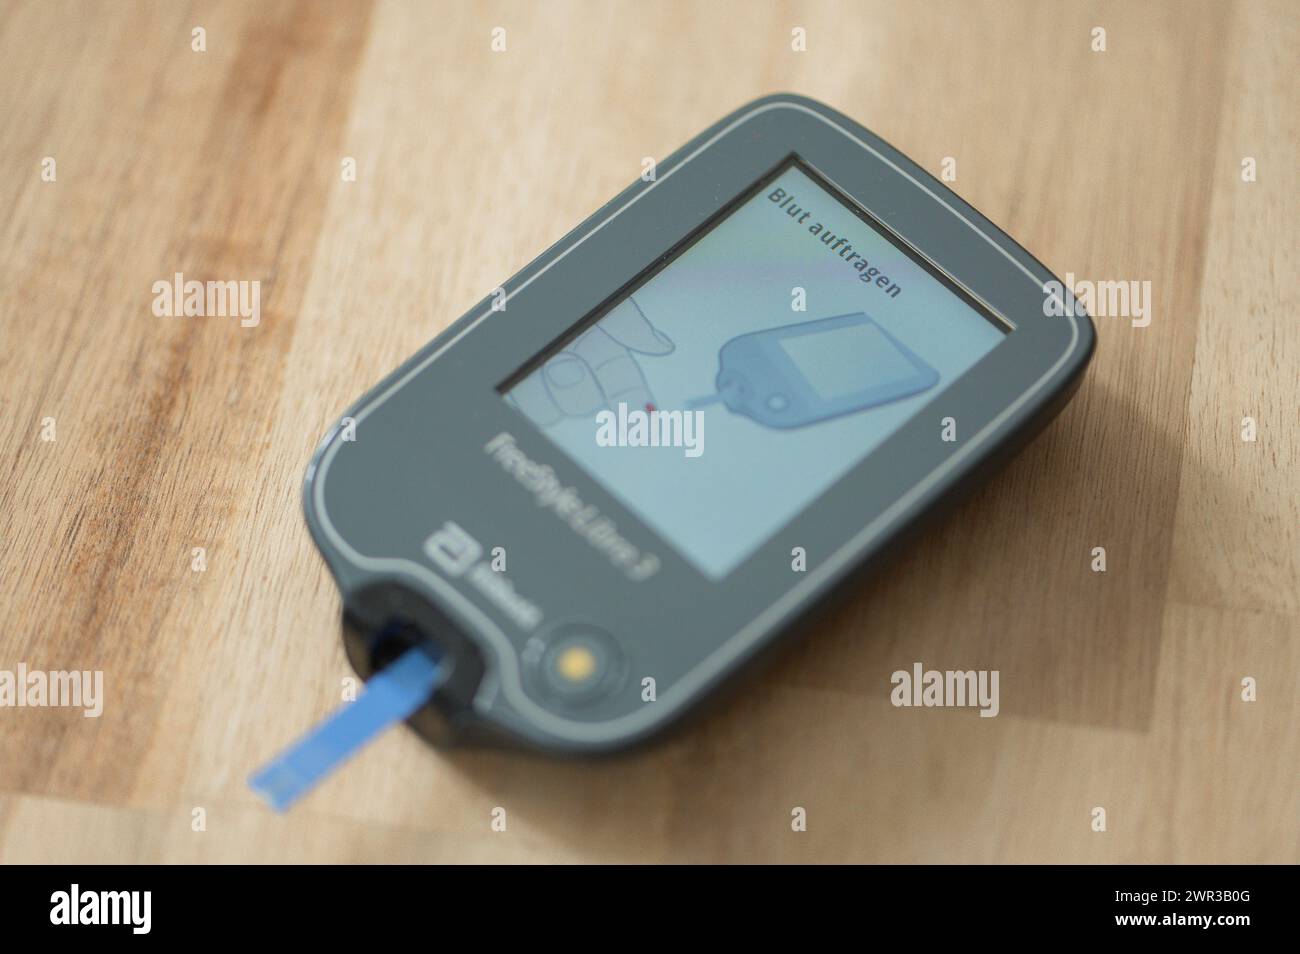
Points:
x=1119 y=689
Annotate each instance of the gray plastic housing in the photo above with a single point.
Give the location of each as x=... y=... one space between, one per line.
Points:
x=407 y=496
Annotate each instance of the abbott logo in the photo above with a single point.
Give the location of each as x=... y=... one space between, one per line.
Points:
x=456 y=553
x=452 y=549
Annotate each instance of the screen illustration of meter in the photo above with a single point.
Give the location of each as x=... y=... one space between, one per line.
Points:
x=582 y=498
x=799 y=374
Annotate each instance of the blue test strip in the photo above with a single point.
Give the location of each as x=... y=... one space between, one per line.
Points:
x=391 y=695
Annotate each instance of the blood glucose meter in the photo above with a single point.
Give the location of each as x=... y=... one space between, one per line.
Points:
x=606 y=488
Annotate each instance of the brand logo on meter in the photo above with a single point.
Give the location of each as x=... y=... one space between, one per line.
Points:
x=456 y=554
x=452 y=549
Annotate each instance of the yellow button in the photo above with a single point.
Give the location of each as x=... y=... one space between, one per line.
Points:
x=576 y=663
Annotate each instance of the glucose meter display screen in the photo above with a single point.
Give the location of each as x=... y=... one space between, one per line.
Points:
x=740 y=381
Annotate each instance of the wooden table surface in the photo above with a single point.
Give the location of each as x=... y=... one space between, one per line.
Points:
x=1120 y=690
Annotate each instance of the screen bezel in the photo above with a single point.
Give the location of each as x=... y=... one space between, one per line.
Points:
x=418 y=456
